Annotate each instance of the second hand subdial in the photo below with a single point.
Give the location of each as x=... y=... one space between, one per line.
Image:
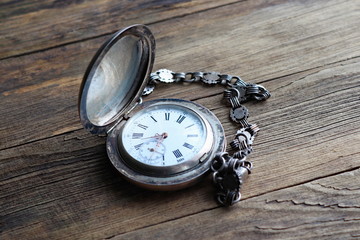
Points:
x=154 y=151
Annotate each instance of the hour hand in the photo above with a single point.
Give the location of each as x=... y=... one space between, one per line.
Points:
x=156 y=136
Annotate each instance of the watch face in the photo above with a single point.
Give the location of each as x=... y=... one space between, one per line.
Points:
x=165 y=136
x=166 y=144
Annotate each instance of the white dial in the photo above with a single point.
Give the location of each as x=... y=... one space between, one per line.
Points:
x=167 y=144
x=164 y=135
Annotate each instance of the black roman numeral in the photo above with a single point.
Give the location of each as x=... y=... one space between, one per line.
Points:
x=189 y=146
x=180 y=119
x=153 y=119
x=167 y=116
x=142 y=126
x=177 y=153
x=192 y=135
x=138 y=146
x=137 y=135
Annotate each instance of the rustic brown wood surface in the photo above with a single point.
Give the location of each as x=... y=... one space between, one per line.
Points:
x=55 y=178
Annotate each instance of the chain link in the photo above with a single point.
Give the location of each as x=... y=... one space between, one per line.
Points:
x=229 y=171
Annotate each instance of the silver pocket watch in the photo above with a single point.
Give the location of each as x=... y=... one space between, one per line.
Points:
x=163 y=144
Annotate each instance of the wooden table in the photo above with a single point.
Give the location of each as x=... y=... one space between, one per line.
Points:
x=55 y=178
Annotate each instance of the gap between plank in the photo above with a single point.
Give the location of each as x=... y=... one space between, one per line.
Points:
x=245 y=199
x=194 y=99
x=108 y=33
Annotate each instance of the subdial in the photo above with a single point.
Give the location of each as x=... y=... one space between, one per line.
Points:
x=153 y=152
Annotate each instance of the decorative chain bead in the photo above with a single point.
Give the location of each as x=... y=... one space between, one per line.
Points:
x=229 y=171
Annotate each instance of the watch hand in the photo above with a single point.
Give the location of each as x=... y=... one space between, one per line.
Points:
x=157 y=136
x=153 y=150
x=161 y=139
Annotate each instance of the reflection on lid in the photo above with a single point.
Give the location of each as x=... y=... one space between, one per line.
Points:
x=112 y=82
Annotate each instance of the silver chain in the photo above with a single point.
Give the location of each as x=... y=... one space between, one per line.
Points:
x=229 y=171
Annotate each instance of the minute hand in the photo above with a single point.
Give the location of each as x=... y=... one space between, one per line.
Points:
x=157 y=136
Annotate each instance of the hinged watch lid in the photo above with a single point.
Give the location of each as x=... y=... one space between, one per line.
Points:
x=115 y=78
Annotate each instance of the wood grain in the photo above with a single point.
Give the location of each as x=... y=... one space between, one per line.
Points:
x=56 y=181
x=32 y=26
x=328 y=208
x=48 y=82
x=71 y=172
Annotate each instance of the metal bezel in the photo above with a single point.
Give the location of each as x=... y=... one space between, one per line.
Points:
x=173 y=169
x=183 y=177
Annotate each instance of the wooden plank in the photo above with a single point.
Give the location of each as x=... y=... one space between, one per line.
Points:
x=31 y=26
x=69 y=179
x=328 y=208
x=68 y=187
x=42 y=88
x=57 y=183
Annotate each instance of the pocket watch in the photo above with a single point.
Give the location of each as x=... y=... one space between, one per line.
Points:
x=163 y=144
